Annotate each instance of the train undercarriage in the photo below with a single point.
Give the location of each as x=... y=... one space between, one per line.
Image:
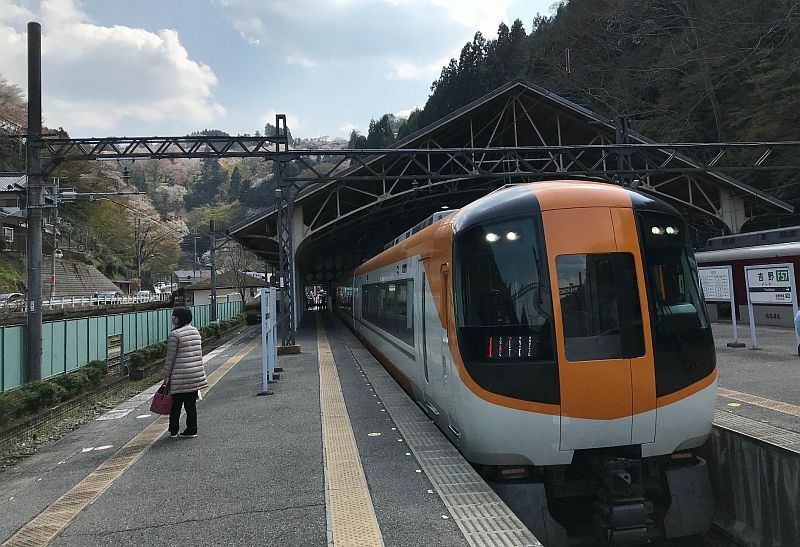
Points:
x=608 y=497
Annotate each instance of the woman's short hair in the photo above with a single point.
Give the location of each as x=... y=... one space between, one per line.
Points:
x=183 y=314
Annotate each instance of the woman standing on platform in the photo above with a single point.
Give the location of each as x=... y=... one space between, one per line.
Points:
x=184 y=372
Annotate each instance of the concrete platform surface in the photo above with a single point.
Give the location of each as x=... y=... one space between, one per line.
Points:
x=762 y=384
x=256 y=473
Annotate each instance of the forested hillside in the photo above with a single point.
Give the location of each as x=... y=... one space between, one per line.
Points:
x=682 y=70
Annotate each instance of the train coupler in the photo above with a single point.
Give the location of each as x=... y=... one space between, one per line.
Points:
x=621 y=509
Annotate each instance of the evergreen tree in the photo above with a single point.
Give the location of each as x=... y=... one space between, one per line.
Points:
x=270 y=130
x=380 y=133
x=237 y=186
x=411 y=125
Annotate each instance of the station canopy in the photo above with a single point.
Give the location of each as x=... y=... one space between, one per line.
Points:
x=347 y=221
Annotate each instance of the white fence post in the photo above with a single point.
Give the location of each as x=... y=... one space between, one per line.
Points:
x=269 y=346
x=273 y=332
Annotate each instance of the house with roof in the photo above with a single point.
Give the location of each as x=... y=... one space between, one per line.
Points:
x=73 y=278
x=13 y=225
x=228 y=284
x=184 y=278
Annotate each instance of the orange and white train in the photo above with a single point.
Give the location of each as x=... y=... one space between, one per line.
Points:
x=556 y=332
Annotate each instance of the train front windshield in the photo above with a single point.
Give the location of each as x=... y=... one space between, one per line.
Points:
x=683 y=344
x=504 y=309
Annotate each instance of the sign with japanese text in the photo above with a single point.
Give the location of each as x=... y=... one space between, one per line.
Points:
x=769 y=284
x=716 y=284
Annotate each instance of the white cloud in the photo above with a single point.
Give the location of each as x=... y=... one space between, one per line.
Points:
x=407 y=69
x=407 y=112
x=354 y=30
x=347 y=128
x=13 y=13
x=476 y=14
x=303 y=61
x=95 y=76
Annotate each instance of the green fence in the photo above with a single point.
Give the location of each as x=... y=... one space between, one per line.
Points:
x=71 y=343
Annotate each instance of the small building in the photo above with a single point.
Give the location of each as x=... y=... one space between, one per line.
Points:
x=13 y=224
x=184 y=278
x=13 y=216
x=126 y=286
x=228 y=283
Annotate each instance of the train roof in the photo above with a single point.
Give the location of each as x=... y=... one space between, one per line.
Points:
x=435 y=217
x=788 y=234
x=775 y=250
x=534 y=197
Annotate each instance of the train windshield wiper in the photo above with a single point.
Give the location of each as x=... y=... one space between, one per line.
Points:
x=662 y=305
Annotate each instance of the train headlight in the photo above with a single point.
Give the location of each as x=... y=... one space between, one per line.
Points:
x=512 y=236
x=657 y=230
x=492 y=237
x=671 y=230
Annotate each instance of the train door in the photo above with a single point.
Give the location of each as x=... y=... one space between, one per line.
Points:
x=426 y=321
x=597 y=275
x=441 y=367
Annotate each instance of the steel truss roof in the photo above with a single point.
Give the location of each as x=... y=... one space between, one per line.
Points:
x=520 y=132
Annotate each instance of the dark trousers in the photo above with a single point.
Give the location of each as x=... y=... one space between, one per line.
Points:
x=188 y=401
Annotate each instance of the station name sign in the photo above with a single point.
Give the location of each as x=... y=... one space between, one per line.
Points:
x=769 y=285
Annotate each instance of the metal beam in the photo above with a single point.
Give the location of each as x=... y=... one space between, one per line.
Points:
x=58 y=150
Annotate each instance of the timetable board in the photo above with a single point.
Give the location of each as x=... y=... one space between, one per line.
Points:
x=716 y=284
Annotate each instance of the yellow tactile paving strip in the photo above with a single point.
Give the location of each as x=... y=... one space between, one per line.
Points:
x=54 y=518
x=351 y=516
x=777 y=406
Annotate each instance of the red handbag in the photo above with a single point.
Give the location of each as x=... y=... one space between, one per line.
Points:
x=162 y=401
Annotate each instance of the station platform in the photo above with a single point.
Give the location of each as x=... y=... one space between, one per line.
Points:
x=762 y=385
x=336 y=455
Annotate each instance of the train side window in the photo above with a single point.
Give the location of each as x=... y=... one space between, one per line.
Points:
x=389 y=306
x=600 y=308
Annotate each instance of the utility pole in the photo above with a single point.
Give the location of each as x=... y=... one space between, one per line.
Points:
x=139 y=239
x=33 y=369
x=213 y=228
x=194 y=257
x=55 y=222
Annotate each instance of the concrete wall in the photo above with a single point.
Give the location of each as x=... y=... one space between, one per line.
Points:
x=775 y=316
x=756 y=488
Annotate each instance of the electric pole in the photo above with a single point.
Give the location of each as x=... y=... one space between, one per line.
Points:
x=213 y=226
x=139 y=239
x=54 y=221
x=34 y=203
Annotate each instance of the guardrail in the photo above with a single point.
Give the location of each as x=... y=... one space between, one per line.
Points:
x=69 y=302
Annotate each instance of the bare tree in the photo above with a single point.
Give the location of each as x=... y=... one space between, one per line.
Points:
x=235 y=261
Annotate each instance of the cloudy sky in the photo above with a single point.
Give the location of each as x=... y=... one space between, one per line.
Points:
x=156 y=67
